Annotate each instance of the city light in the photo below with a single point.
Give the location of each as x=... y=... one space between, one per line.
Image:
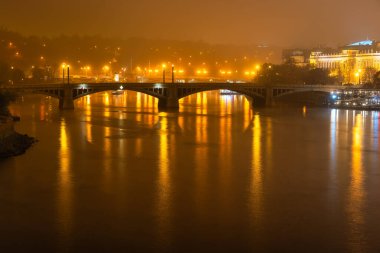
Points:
x=106 y=68
x=202 y=72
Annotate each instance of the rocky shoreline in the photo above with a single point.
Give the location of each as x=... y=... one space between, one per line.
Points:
x=11 y=142
x=15 y=144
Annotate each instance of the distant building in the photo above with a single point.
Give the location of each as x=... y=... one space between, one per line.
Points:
x=354 y=63
x=299 y=57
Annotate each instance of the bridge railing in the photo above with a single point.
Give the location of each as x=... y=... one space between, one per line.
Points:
x=116 y=85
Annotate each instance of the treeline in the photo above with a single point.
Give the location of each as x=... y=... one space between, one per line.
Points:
x=6 y=97
x=10 y=74
x=24 y=52
x=291 y=74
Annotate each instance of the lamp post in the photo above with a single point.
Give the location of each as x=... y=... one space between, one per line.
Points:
x=68 y=74
x=163 y=73
x=357 y=74
x=172 y=73
x=64 y=66
x=63 y=72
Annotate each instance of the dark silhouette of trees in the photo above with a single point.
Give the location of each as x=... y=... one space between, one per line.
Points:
x=376 y=79
x=6 y=97
x=290 y=74
x=39 y=74
x=317 y=76
x=10 y=74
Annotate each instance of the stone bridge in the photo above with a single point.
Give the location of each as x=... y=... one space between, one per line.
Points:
x=168 y=94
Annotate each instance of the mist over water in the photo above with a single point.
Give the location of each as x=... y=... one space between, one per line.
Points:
x=117 y=175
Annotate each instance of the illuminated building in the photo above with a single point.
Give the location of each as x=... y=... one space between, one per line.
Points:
x=299 y=57
x=355 y=63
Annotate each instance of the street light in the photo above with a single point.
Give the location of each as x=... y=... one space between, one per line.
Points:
x=173 y=73
x=68 y=74
x=357 y=74
x=64 y=66
x=163 y=72
x=106 y=69
x=63 y=71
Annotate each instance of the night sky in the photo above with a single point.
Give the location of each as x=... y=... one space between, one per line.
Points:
x=278 y=22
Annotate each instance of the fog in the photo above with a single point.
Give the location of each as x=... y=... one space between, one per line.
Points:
x=274 y=22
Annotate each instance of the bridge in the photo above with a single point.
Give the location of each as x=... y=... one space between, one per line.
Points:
x=168 y=94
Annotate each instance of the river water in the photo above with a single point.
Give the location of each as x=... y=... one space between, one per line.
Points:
x=118 y=175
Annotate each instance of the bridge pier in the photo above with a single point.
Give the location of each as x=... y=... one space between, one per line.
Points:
x=269 y=98
x=171 y=100
x=67 y=101
x=168 y=103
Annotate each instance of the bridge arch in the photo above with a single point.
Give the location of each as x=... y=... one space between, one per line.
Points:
x=154 y=92
x=304 y=96
x=295 y=91
x=257 y=95
x=50 y=93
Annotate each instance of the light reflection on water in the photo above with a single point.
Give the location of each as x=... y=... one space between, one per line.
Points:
x=176 y=179
x=356 y=193
x=65 y=206
x=257 y=173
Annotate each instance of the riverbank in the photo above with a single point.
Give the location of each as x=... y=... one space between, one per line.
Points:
x=11 y=142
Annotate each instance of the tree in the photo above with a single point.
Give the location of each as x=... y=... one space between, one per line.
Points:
x=38 y=74
x=317 y=76
x=369 y=75
x=8 y=73
x=4 y=73
x=291 y=74
x=376 y=79
x=6 y=97
x=17 y=75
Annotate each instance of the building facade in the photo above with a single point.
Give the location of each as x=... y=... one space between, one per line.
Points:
x=299 y=57
x=356 y=63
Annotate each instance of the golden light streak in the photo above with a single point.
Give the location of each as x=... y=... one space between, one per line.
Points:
x=356 y=191
x=163 y=184
x=64 y=183
x=257 y=177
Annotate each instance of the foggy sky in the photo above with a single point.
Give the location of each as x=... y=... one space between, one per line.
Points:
x=277 y=22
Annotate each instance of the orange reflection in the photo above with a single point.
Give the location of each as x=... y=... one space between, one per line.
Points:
x=225 y=144
x=64 y=183
x=139 y=107
x=269 y=141
x=257 y=184
x=88 y=120
x=138 y=102
x=107 y=157
x=138 y=148
x=164 y=185
x=201 y=119
x=356 y=193
x=198 y=102
x=247 y=113
x=106 y=99
x=304 y=111
x=42 y=111
x=201 y=151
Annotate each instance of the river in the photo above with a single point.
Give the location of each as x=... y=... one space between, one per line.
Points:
x=118 y=175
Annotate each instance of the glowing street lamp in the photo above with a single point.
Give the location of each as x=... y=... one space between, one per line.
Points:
x=163 y=72
x=172 y=73
x=357 y=74
x=106 y=69
x=64 y=66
